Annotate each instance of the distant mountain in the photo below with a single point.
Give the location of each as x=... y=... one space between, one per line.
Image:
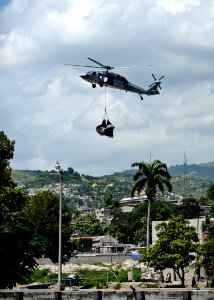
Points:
x=204 y=171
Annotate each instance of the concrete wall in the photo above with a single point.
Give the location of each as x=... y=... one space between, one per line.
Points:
x=144 y=294
x=99 y=257
x=90 y=258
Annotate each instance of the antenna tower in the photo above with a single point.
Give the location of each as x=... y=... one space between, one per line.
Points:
x=185 y=177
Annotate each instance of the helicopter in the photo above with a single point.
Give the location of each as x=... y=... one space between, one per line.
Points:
x=110 y=79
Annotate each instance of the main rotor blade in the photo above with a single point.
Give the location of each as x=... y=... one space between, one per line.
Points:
x=84 y=66
x=96 y=62
x=101 y=65
x=161 y=77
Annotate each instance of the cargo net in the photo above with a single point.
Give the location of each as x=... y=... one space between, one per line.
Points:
x=106 y=127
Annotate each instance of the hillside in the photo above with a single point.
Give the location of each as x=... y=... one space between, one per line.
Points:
x=198 y=179
x=203 y=171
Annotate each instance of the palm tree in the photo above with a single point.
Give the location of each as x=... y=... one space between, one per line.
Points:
x=150 y=177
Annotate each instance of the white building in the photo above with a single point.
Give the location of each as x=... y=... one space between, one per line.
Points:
x=128 y=204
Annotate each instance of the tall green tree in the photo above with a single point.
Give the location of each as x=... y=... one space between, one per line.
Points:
x=88 y=225
x=150 y=177
x=207 y=253
x=42 y=214
x=6 y=154
x=175 y=248
x=17 y=253
x=123 y=226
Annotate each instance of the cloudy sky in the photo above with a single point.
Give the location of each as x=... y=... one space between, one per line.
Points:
x=52 y=113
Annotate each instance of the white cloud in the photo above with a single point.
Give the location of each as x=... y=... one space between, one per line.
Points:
x=52 y=114
x=177 y=6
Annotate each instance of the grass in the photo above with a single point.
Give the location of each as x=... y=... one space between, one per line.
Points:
x=92 y=279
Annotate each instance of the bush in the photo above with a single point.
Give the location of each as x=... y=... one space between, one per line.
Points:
x=122 y=275
x=42 y=275
x=211 y=282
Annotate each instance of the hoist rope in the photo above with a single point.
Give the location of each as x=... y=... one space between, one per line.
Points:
x=105 y=111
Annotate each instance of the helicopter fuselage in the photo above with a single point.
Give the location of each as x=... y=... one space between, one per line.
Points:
x=116 y=81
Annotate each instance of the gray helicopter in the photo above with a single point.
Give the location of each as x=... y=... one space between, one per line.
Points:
x=116 y=81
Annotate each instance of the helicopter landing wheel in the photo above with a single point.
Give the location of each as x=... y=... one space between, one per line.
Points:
x=101 y=84
x=93 y=85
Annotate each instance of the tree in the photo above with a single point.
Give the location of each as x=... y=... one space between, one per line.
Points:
x=210 y=192
x=175 y=248
x=150 y=177
x=42 y=214
x=190 y=208
x=111 y=204
x=17 y=253
x=204 y=200
x=212 y=211
x=123 y=226
x=207 y=253
x=6 y=153
x=88 y=225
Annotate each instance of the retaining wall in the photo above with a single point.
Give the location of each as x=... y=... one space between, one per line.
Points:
x=144 y=294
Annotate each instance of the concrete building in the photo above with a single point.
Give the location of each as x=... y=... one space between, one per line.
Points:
x=104 y=244
x=104 y=215
x=128 y=204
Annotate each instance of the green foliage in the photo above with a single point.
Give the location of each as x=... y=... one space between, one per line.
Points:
x=117 y=184
x=137 y=274
x=175 y=246
x=88 y=225
x=122 y=275
x=92 y=279
x=123 y=226
x=152 y=285
x=161 y=210
x=212 y=211
x=196 y=171
x=42 y=214
x=206 y=251
x=6 y=153
x=17 y=252
x=151 y=176
x=42 y=275
x=210 y=192
x=190 y=209
x=110 y=203
x=204 y=200
x=131 y=227
x=96 y=279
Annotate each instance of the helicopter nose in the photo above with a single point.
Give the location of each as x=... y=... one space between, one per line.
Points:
x=85 y=76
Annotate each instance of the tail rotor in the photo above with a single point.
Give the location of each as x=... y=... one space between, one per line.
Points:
x=157 y=82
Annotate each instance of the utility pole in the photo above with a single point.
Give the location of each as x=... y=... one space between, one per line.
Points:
x=60 y=171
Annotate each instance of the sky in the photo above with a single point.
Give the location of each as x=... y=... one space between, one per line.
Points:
x=52 y=114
